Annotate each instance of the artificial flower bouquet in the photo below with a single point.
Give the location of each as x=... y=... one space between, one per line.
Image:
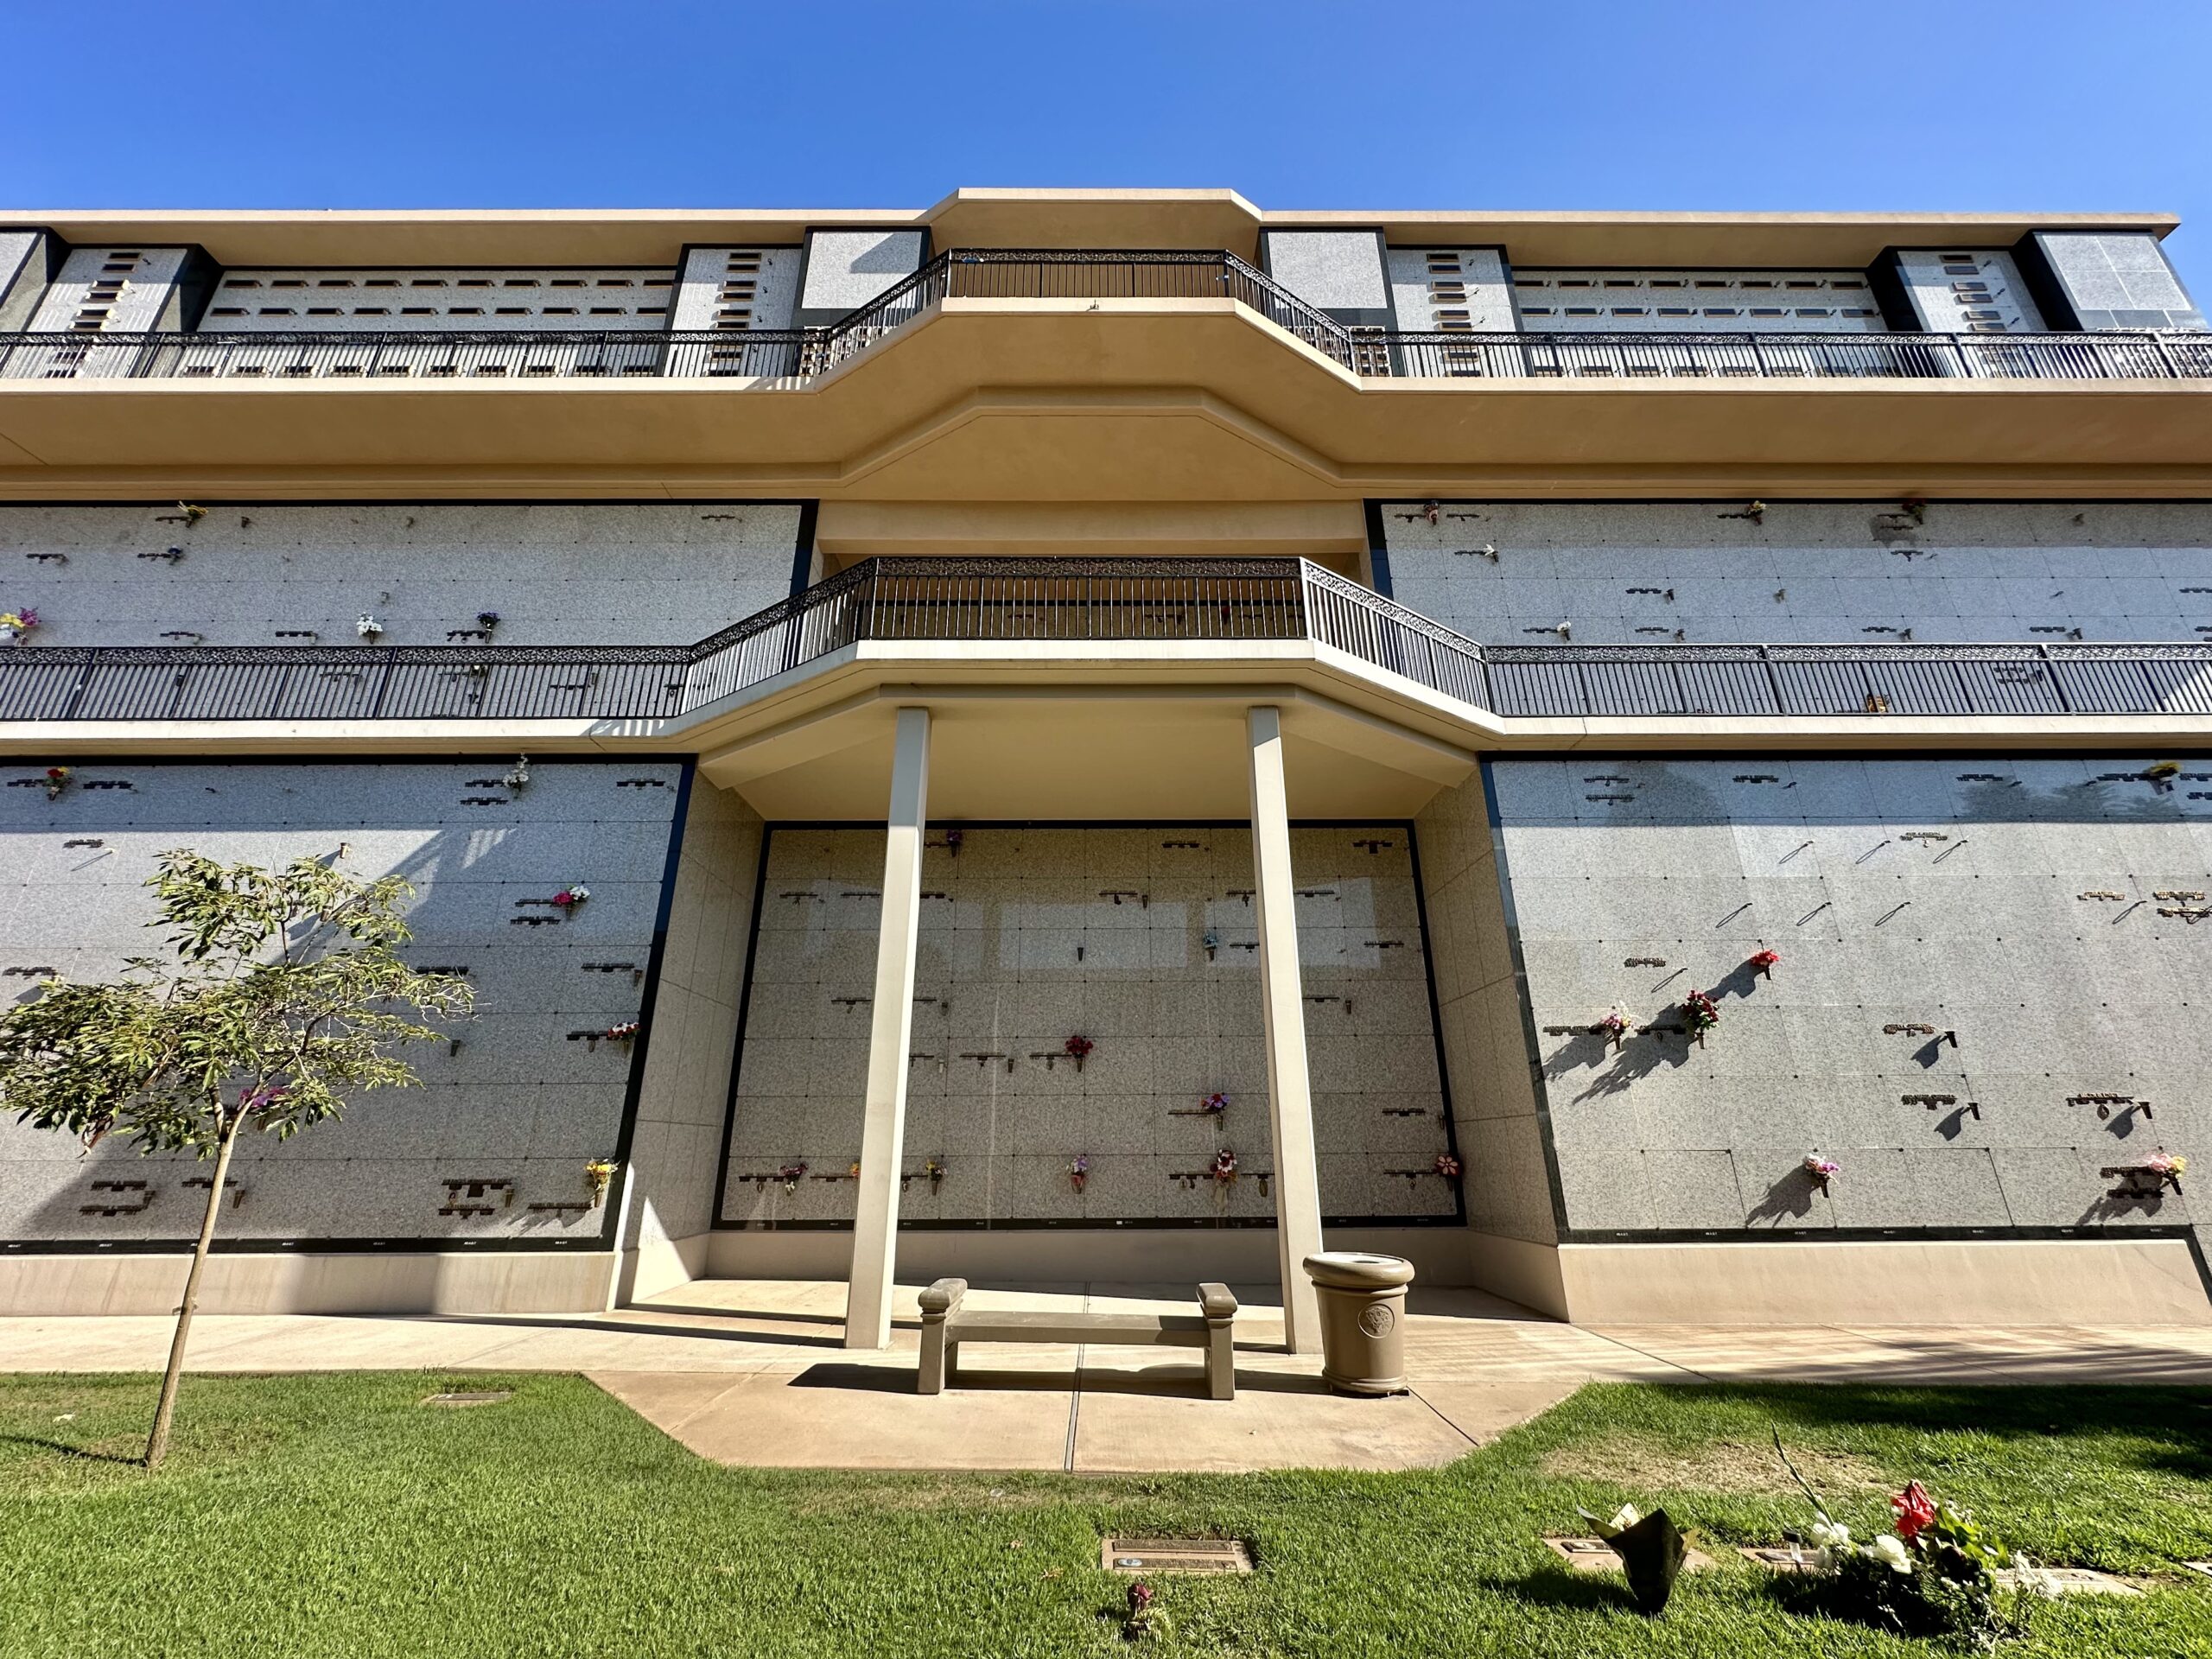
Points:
x=1934 y=1575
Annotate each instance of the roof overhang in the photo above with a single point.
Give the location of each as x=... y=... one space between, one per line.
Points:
x=1043 y=218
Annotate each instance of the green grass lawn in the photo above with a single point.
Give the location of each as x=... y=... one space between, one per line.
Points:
x=335 y=1514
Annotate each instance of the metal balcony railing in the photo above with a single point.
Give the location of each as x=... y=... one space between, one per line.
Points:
x=2167 y=355
x=1097 y=601
x=1084 y=274
x=787 y=356
x=504 y=355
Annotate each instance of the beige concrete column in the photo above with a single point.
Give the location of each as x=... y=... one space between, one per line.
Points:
x=1290 y=1099
x=883 y=1133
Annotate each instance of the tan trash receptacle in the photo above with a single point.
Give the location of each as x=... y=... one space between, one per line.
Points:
x=1362 y=1320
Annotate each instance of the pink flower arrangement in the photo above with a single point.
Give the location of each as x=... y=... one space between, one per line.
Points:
x=624 y=1033
x=1078 y=1170
x=266 y=1097
x=1447 y=1166
x=791 y=1175
x=1616 y=1026
x=572 y=895
x=1214 y=1105
x=1822 y=1170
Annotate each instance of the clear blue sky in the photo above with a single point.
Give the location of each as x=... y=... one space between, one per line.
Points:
x=2025 y=105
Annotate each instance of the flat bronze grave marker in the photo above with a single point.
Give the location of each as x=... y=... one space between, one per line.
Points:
x=1174 y=1555
x=2065 y=1581
x=1595 y=1555
x=1783 y=1558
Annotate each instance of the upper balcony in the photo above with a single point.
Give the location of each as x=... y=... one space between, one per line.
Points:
x=1104 y=374
x=785 y=359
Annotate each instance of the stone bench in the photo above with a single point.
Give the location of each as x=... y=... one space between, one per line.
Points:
x=946 y=1324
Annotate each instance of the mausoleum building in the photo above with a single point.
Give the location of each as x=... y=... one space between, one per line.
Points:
x=1657 y=765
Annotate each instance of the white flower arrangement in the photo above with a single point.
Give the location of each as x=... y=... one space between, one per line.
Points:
x=368 y=627
x=1889 y=1549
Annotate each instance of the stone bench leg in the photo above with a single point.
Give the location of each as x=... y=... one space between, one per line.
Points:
x=1220 y=1309
x=940 y=1302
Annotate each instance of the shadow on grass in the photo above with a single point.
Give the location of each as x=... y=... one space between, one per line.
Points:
x=1561 y=1586
x=80 y=1453
x=2175 y=1421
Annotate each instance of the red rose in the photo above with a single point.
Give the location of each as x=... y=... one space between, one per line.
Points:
x=1915 y=1511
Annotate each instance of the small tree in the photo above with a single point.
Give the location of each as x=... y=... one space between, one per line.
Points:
x=280 y=997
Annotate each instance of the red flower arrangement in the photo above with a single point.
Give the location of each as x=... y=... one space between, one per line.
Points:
x=1214 y=1105
x=1915 y=1511
x=1144 y=1621
x=1700 y=1014
x=1224 y=1167
x=1077 y=1047
x=1762 y=963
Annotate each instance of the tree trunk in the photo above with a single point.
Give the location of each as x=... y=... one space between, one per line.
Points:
x=158 y=1444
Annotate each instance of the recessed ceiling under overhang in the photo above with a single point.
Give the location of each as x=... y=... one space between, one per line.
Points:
x=1160 y=755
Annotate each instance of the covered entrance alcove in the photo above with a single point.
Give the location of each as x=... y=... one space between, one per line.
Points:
x=1215 y=887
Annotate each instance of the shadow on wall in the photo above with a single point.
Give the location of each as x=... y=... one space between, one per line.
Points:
x=493 y=1145
x=1791 y=1198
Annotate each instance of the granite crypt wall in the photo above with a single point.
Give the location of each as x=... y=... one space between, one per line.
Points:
x=1141 y=939
x=258 y=573
x=1805 y=572
x=493 y=1147
x=1988 y=1007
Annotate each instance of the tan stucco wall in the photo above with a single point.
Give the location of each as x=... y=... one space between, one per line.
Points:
x=490 y=1281
x=2010 y=1281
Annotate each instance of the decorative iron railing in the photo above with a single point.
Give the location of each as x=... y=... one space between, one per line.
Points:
x=919 y=600
x=2104 y=355
x=488 y=355
x=1082 y=274
x=787 y=357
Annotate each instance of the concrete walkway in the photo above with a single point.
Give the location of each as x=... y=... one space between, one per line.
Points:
x=752 y=1372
